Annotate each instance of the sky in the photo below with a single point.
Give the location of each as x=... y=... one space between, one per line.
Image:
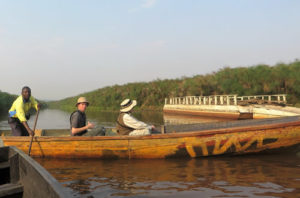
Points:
x=65 y=48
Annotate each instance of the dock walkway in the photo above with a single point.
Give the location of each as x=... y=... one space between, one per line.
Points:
x=232 y=106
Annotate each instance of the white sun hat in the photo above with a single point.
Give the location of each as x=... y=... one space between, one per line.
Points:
x=127 y=105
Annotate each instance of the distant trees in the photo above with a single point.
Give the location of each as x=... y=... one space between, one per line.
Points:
x=256 y=80
x=6 y=101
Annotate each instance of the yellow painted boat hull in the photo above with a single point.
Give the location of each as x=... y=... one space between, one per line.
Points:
x=268 y=135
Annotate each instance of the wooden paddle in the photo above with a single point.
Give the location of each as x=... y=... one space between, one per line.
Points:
x=36 y=118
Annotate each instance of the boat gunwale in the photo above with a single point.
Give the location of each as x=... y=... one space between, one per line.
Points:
x=31 y=167
x=179 y=134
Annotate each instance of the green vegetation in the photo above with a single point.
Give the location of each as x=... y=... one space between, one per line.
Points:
x=256 y=80
x=6 y=101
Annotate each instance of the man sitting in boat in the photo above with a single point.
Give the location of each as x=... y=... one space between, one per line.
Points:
x=129 y=125
x=19 y=113
x=78 y=121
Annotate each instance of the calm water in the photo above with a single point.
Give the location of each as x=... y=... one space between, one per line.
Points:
x=242 y=176
x=57 y=119
x=272 y=175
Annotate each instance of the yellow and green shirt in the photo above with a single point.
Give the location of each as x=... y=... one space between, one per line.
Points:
x=20 y=108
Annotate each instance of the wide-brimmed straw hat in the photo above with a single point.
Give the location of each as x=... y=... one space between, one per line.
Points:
x=127 y=105
x=82 y=100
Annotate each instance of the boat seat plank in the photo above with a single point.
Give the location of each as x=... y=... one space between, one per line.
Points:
x=11 y=190
x=4 y=165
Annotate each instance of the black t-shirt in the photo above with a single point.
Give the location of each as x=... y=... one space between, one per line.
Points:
x=78 y=120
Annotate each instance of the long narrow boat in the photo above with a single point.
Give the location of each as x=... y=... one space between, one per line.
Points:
x=21 y=176
x=192 y=140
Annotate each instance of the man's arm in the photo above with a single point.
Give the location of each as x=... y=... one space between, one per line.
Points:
x=78 y=130
x=31 y=132
x=20 y=113
x=133 y=122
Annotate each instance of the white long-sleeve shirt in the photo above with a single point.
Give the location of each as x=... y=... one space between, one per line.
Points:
x=133 y=122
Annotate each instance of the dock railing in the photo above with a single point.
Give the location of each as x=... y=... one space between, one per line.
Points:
x=227 y=100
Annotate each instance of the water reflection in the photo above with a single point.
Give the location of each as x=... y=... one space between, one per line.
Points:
x=48 y=119
x=243 y=176
x=57 y=119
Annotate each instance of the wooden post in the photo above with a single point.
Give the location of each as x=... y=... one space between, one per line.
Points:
x=163 y=129
x=235 y=100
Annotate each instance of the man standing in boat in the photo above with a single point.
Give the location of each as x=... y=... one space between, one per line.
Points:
x=78 y=121
x=129 y=125
x=19 y=113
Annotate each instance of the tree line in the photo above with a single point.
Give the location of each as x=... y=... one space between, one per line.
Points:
x=6 y=101
x=256 y=80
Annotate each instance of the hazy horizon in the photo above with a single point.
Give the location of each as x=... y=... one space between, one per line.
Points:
x=87 y=91
x=64 y=48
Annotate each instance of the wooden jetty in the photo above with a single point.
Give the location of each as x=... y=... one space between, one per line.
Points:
x=21 y=176
x=231 y=106
x=191 y=140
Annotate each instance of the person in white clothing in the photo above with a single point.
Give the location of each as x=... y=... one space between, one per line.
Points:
x=129 y=125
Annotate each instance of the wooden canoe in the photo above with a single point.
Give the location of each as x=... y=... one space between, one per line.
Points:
x=192 y=140
x=21 y=176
